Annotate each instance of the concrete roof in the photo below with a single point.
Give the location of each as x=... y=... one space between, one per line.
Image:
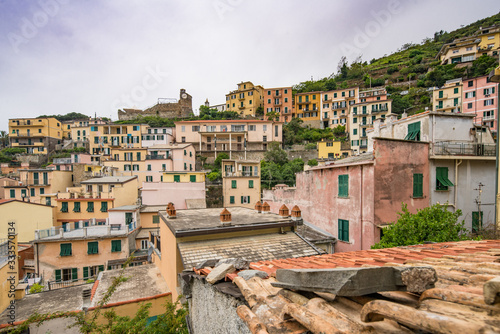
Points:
x=196 y=203
x=153 y=208
x=144 y=232
x=251 y=248
x=67 y=299
x=356 y=159
x=99 y=231
x=125 y=208
x=109 y=179
x=10 y=200
x=143 y=282
x=209 y=219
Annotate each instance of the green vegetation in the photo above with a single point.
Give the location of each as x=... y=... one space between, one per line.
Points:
x=295 y=133
x=208 y=114
x=276 y=168
x=216 y=173
x=312 y=162
x=434 y=223
x=36 y=288
x=67 y=117
x=8 y=154
x=153 y=121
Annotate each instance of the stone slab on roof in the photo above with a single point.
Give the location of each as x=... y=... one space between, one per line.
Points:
x=67 y=299
x=197 y=219
x=143 y=282
x=250 y=248
x=109 y=179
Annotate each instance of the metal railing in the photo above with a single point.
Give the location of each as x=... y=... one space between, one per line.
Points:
x=464 y=148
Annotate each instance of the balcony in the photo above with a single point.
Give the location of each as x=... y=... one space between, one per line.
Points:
x=442 y=97
x=241 y=107
x=240 y=174
x=28 y=123
x=303 y=102
x=157 y=157
x=489 y=118
x=464 y=149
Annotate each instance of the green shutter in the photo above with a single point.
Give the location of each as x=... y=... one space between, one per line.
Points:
x=442 y=181
x=156 y=219
x=241 y=199
x=233 y=184
x=12 y=193
x=231 y=199
x=64 y=207
x=74 y=274
x=65 y=250
x=346 y=230
x=58 y=274
x=93 y=247
x=104 y=206
x=90 y=206
x=343 y=185
x=250 y=183
x=192 y=178
x=101 y=268
x=76 y=207
x=177 y=178
x=343 y=233
x=418 y=185
x=116 y=245
x=85 y=272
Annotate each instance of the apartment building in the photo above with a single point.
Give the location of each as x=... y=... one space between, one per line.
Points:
x=157 y=136
x=449 y=97
x=335 y=106
x=246 y=99
x=36 y=183
x=374 y=94
x=279 y=100
x=240 y=183
x=361 y=117
x=480 y=97
x=36 y=135
x=307 y=107
x=467 y=49
x=230 y=136
x=333 y=149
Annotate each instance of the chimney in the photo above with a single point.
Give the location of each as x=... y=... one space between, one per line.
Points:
x=172 y=214
x=225 y=217
x=284 y=212
x=296 y=214
x=258 y=207
x=266 y=208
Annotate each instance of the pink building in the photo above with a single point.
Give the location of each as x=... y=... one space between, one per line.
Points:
x=480 y=97
x=184 y=195
x=355 y=197
x=280 y=101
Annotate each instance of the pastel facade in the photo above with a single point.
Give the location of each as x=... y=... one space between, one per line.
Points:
x=246 y=99
x=279 y=100
x=330 y=149
x=5 y=181
x=335 y=106
x=361 y=117
x=449 y=97
x=157 y=136
x=27 y=217
x=240 y=183
x=480 y=97
x=228 y=135
x=36 y=135
x=307 y=107
x=35 y=183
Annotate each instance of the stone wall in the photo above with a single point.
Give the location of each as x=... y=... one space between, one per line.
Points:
x=212 y=311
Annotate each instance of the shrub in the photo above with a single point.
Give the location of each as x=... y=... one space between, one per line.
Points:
x=310 y=146
x=36 y=288
x=312 y=162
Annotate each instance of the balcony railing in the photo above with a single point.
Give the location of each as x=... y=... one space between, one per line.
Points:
x=156 y=157
x=464 y=148
x=240 y=174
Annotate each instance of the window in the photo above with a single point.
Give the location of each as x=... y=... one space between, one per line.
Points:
x=469 y=105
x=183 y=128
x=93 y=248
x=251 y=128
x=413 y=131
x=488 y=91
x=135 y=128
x=156 y=219
x=231 y=199
x=192 y=178
x=144 y=244
x=67 y=274
x=64 y=207
x=149 y=178
x=488 y=102
x=477 y=221
x=233 y=184
x=32 y=192
x=48 y=201
x=149 y=167
x=470 y=83
x=455 y=90
x=343 y=185
x=90 y=206
x=355 y=120
x=468 y=95
x=76 y=207
x=343 y=230
x=177 y=178
x=442 y=181
x=276 y=131
x=12 y=193
x=104 y=206
x=65 y=250
x=183 y=139
x=354 y=132
x=418 y=185
x=116 y=246
x=23 y=192
x=250 y=183
x=245 y=199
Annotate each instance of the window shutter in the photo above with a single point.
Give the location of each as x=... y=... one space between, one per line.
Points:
x=241 y=199
x=101 y=268
x=58 y=274
x=156 y=219
x=85 y=272
x=341 y=222
x=346 y=230
x=74 y=274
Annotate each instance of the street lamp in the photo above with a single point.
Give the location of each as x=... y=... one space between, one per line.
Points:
x=495 y=77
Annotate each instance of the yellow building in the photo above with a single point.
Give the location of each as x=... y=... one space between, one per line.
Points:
x=361 y=117
x=333 y=149
x=485 y=41
x=307 y=107
x=246 y=99
x=449 y=97
x=37 y=135
x=37 y=183
x=28 y=217
x=240 y=183
x=183 y=177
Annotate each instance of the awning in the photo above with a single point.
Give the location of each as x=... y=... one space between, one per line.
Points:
x=412 y=135
x=444 y=180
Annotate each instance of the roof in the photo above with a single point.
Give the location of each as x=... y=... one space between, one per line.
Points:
x=125 y=208
x=153 y=208
x=144 y=232
x=196 y=203
x=93 y=232
x=9 y=200
x=251 y=248
x=362 y=158
x=228 y=121
x=143 y=281
x=456 y=304
x=207 y=221
x=314 y=234
x=169 y=146
x=110 y=179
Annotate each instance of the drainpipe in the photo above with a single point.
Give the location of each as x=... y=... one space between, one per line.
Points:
x=457 y=163
x=361 y=201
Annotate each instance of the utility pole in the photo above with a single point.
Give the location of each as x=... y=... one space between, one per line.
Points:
x=478 y=202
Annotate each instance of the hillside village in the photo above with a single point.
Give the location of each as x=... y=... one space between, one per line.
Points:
x=274 y=183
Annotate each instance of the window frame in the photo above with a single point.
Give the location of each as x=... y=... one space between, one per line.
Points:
x=343 y=185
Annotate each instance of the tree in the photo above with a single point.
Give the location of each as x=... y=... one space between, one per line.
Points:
x=312 y=162
x=4 y=139
x=482 y=66
x=218 y=160
x=434 y=223
x=339 y=130
x=276 y=154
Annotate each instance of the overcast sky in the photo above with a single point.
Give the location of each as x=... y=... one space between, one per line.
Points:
x=60 y=56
